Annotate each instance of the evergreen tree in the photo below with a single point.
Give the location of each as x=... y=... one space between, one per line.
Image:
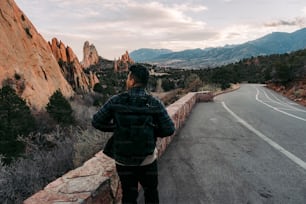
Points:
x=98 y=88
x=15 y=120
x=167 y=84
x=60 y=109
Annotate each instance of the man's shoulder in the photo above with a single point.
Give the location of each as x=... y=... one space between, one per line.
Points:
x=155 y=100
x=118 y=97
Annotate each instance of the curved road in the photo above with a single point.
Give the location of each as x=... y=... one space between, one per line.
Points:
x=248 y=146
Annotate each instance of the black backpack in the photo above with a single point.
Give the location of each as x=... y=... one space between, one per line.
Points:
x=134 y=137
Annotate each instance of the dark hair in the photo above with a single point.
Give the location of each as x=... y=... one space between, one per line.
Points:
x=140 y=74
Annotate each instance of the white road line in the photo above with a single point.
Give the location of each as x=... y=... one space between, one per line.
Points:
x=276 y=109
x=288 y=109
x=276 y=98
x=288 y=154
x=284 y=103
x=267 y=96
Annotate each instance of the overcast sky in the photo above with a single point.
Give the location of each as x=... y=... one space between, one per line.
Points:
x=115 y=26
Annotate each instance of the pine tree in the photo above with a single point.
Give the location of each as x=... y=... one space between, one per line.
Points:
x=60 y=109
x=15 y=120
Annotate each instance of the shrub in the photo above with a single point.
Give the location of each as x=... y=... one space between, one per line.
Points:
x=193 y=82
x=225 y=85
x=98 y=88
x=60 y=109
x=167 y=84
x=15 y=120
x=27 y=30
x=87 y=143
x=82 y=111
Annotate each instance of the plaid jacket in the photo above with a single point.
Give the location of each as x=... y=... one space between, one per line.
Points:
x=103 y=119
x=137 y=97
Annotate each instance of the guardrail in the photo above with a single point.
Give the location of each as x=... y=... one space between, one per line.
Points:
x=96 y=181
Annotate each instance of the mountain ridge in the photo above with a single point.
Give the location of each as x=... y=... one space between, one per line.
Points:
x=148 y=53
x=273 y=43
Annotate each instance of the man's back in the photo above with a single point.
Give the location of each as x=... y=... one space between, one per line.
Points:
x=136 y=118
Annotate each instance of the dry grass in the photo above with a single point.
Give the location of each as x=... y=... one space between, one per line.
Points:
x=88 y=142
x=38 y=167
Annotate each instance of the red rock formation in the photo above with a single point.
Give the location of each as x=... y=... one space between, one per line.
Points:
x=123 y=63
x=26 y=60
x=71 y=67
x=91 y=56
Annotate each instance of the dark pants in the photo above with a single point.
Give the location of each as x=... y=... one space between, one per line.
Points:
x=145 y=175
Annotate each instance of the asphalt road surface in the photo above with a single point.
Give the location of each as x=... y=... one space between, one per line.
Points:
x=248 y=146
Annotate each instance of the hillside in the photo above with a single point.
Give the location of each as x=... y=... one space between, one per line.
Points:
x=274 y=43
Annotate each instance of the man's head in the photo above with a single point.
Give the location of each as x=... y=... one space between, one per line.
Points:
x=138 y=76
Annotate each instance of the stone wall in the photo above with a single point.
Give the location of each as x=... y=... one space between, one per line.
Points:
x=96 y=181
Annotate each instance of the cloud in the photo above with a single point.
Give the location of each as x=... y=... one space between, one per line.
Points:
x=151 y=19
x=299 y=21
x=235 y=34
x=126 y=14
x=238 y=34
x=131 y=24
x=190 y=7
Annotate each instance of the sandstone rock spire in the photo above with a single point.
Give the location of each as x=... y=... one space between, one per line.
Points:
x=91 y=56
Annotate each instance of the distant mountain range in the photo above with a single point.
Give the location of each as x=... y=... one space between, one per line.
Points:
x=274 y=43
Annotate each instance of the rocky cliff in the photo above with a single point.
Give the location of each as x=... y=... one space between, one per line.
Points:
x=26 y=60
x=71 y=67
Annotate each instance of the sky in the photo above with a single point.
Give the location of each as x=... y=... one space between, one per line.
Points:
x=116 y=26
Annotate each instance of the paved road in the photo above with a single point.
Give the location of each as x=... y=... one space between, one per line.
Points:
x=248 y=146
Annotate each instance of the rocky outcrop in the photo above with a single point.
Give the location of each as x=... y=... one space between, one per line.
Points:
x=26 y=60
x=71 y=67
x=91 y=56
x=123 y=63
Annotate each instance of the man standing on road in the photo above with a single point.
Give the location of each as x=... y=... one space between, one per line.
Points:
x=137 y=119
